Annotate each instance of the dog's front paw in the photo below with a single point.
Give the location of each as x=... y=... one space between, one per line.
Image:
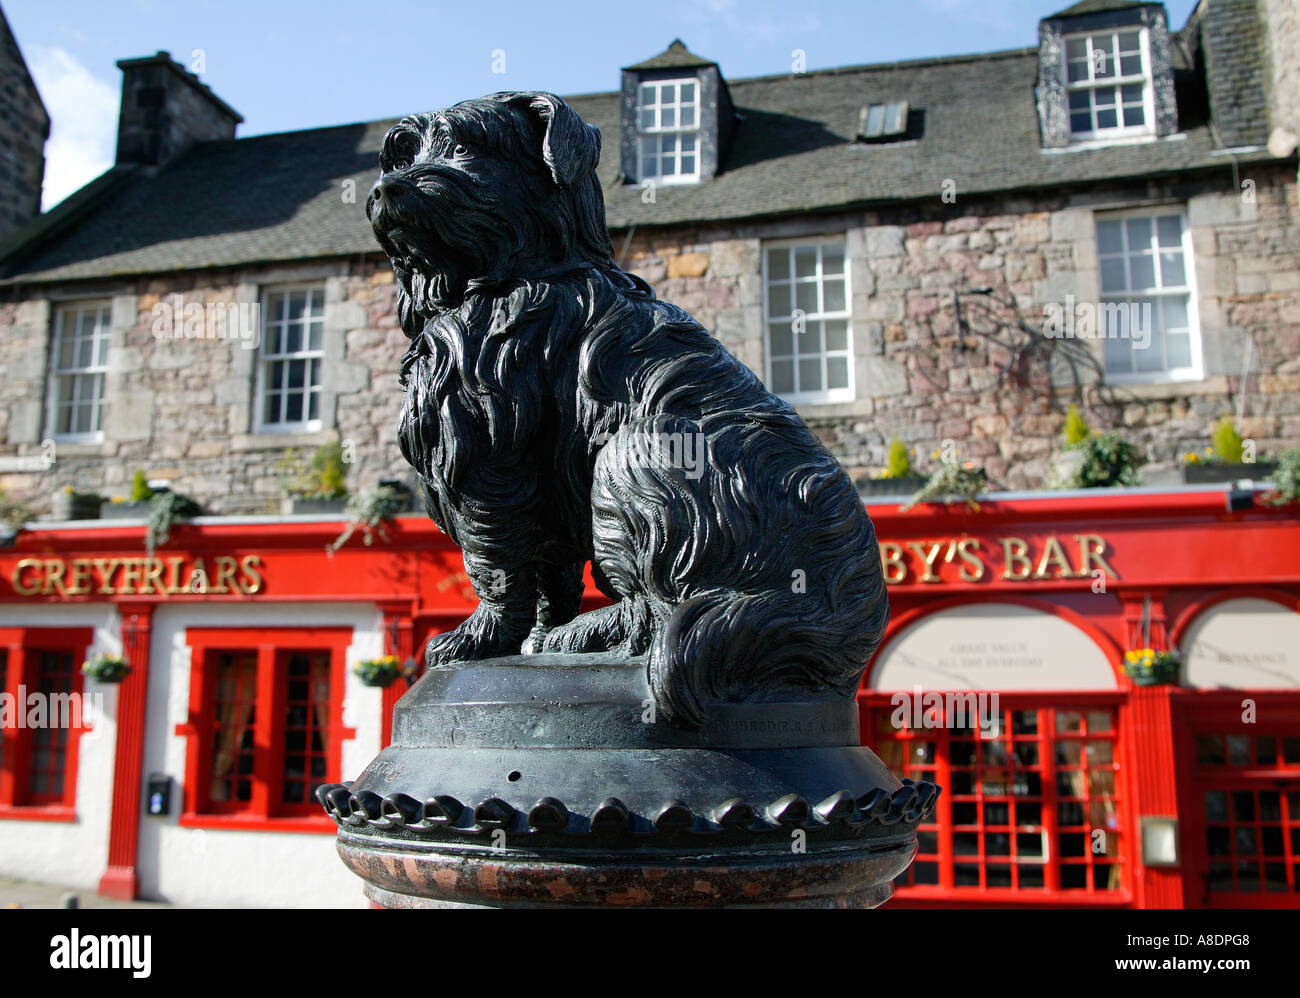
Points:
x=480 y=636
x=623 y=627
x=535 y=642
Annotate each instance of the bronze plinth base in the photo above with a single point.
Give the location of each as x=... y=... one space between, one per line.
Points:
x=403 y=878
x=540 y=782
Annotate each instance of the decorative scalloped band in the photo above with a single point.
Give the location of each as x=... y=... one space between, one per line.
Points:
x=910 y=803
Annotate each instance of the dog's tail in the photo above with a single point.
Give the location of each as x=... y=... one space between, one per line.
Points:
x=728 y=645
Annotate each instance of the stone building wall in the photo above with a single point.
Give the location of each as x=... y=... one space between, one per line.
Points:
x=916 y=383
x=181 y=409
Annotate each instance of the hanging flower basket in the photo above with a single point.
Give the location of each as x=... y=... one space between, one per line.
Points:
x=106 y=668
x=1147 y=667
x=379 y=671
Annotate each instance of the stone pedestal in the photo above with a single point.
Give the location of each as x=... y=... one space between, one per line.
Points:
x=547 y=781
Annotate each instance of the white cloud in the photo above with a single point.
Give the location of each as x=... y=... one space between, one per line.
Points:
x=83 y=121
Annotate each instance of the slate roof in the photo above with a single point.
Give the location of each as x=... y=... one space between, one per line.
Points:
x=1098 y=7
x=675 y=56
x=279 y=197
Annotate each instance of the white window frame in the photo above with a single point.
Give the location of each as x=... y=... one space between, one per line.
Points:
x=100 y=335
x=1196 y=370
x=823 y=395
x=264 y=360
x=1094 y=83
x=657 y=132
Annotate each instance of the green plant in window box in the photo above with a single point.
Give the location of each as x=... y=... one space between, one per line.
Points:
x=1228 y=459
x=14 y=514
x=135 y=506
x=1286 y=479
x=950 y=482
x=382 y=671
x=1063 y=471
x=1148 y=667
x=1107 y=459
x=69 y=504
x=369 y=511
x=166 y=509
x=897 y=477
x=106 y=668
x=1076 y=427
x=1228 y=445
x=318 y=485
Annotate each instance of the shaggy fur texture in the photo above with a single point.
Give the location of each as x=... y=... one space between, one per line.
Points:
x=558 y=413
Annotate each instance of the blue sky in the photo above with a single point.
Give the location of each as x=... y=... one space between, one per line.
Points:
x=287 y=66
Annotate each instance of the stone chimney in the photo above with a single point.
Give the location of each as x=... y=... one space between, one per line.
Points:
x=166 y=110
x=24 y=127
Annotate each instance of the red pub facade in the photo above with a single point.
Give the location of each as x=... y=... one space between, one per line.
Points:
x=1001 y=678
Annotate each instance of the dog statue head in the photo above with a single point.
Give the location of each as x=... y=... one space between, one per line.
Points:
x=488 y=190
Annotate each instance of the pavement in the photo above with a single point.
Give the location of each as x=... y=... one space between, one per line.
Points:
x=30 y=894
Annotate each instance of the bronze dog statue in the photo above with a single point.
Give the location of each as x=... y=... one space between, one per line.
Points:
x=558 y=413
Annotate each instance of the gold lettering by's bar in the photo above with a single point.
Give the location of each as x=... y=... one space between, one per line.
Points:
x=891 y=558
x=1054 y=554
x=929 y=558
x=973 y=569
x=1022 y=560
x=1091 y=548
x=1015 y=552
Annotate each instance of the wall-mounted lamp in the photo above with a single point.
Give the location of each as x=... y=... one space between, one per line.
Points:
x=1159 y=841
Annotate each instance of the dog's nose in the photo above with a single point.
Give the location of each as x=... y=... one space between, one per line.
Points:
x=387 y=188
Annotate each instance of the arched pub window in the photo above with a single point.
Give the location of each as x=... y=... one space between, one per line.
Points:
x=1013 y=707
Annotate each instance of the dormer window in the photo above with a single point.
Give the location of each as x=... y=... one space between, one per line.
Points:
x=1105 y=75
x=675 y=120
x=1108 y=82
x=668 y=127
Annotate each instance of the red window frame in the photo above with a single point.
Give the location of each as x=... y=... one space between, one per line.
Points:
x=938 y=839
x=1252 y=769
x=21 y=648
x=271 y=649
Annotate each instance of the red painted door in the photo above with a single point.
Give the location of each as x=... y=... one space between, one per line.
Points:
x=1240 y=803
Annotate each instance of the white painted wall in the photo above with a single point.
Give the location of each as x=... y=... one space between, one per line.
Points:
x=993 y=646
x=71 y=854
x=191 y=866
x=1244 y=644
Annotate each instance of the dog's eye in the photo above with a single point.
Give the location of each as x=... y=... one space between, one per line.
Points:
x=460 y=150
x=401 y=150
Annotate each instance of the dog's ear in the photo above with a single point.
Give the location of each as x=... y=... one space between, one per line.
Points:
x=570 y=147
